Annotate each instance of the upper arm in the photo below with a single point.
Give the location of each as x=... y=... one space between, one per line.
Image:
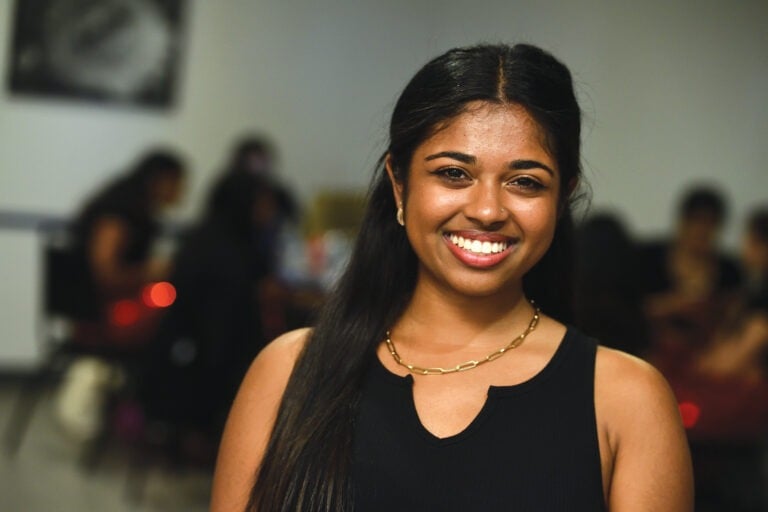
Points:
x=651 y=461
x=107 y=240
x=756 y=332
x=250 y=421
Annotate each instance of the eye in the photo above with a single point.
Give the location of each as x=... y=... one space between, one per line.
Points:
x=452 y=174
x=527 y=183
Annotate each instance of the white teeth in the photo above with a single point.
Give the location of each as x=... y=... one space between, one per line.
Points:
x=476 y=246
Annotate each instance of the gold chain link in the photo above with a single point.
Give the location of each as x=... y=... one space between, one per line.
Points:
x=468 y=365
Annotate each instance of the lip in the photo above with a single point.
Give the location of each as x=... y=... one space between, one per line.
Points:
x=480 y=261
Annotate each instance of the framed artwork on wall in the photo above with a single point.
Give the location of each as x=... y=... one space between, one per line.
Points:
x=107 y=51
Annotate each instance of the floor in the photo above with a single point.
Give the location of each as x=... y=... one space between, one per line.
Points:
x=44 y=475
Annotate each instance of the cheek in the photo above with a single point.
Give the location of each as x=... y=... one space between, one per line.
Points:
x=537 y=219
x=426 y=204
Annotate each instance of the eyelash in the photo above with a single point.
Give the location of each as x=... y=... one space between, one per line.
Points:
x=527 y=183
x=444 y=173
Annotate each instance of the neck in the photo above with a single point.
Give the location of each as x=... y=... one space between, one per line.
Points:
x=447 y=314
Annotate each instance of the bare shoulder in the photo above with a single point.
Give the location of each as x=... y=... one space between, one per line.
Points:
x=628 y=390
x=618 y=373
x=638 y=415
x=271 y=369
x=264 y=383
x=251 y=419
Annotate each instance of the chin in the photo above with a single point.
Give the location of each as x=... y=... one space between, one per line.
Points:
x=478 y=289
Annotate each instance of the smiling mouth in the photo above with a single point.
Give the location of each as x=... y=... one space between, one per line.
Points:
x=481 y=245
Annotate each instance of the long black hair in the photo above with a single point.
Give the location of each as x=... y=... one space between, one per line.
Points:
x=132 y=191
x=306 y=464
x=129 y=194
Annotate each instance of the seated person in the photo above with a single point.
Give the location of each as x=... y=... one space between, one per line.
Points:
x=687 y=279
x=113 y=236
x=741 y=347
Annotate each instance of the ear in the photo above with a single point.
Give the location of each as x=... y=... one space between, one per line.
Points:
x=397 y=185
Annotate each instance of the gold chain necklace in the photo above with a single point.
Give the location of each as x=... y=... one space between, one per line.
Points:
x=468 y=365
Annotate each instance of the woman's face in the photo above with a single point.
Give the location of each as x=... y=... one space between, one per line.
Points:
x=482 y=201
x=166 y=191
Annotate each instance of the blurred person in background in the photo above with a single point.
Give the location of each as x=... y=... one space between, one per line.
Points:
x=285 y=304
x=726 y=387
x=742 y=344
x=110 y=264
x=608 y=296
x=213 y=330
x=687 y=279
x=114 y=235
x=256 y=155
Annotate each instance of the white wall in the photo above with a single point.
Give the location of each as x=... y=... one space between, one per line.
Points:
x=20 y=278
x=673 y=92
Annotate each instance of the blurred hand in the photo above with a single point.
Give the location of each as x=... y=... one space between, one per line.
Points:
x=158 y=270
x=672 y=303
x=741 y=354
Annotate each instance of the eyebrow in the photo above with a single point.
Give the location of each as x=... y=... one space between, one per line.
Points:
x=515 y=165
x=461 y=157
x=522 y=165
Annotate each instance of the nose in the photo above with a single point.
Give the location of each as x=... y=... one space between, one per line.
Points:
x=485 y=205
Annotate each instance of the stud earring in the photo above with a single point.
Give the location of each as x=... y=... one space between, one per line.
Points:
x=400 y=216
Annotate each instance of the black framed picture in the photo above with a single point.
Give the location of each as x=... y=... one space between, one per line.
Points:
x=110 y=51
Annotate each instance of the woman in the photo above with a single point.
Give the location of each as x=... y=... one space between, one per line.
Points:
x=99 y=280
x=116 y=228
x=114 y=236
x=468 y=219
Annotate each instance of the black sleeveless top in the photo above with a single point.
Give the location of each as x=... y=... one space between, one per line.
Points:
x=533 y=446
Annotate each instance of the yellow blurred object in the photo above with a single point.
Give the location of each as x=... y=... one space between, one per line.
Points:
x=335 y=210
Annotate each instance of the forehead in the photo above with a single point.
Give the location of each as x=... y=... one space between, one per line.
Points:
x=490 y=128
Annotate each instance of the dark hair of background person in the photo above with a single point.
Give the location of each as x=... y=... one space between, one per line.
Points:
x=757 y=289
x=257 y=155
x=703 y=199
x=232 y=199
x=132 y=198
x=132 y=192
x=248 y=147
x=307 y=459
x=134 y=187
x=757 y=224
x=608 y=298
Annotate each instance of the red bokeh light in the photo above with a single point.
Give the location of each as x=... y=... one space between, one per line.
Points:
x=690 y=413
x=124 y=313
x=159 y=295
